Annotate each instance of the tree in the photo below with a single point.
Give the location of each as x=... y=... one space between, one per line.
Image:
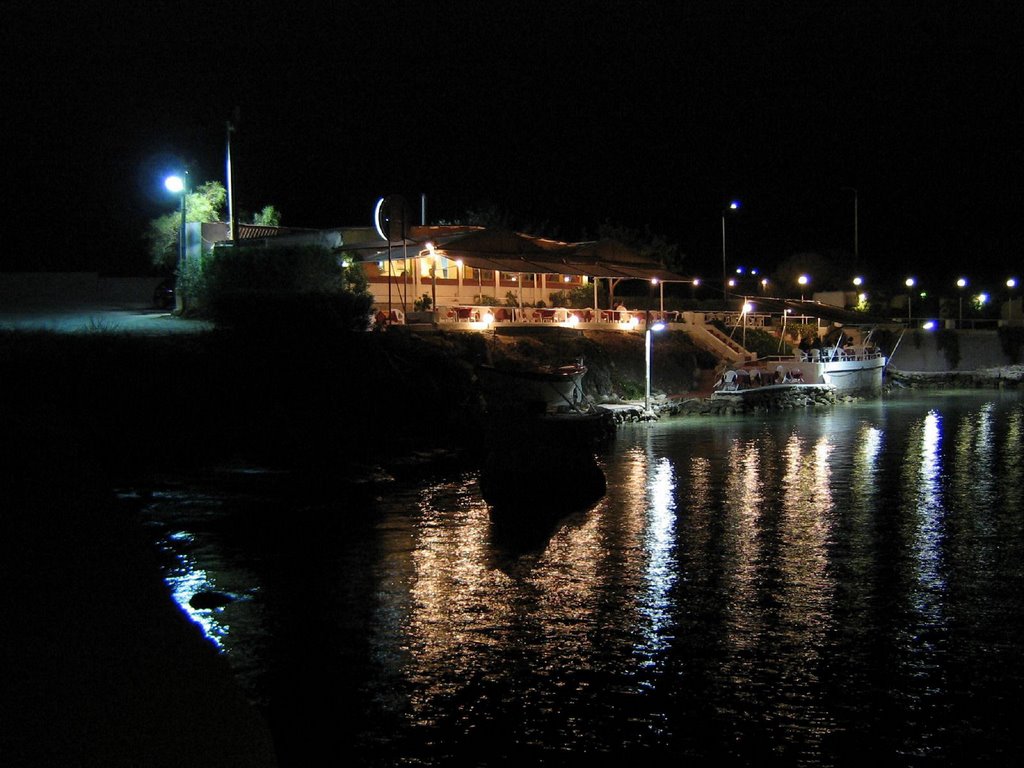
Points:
x=203 y=204
x=268 y=217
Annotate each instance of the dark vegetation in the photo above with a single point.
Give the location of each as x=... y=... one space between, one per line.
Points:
x=303 y=395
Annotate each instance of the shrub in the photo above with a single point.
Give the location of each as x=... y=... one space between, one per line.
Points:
x=1011 y=338
x=948 y=341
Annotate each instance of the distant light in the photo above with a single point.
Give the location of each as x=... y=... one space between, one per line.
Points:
x=1011 y=283
x=803 y=279
x=488 y=317
x=858 y=281
x=753 y=271
x=764 y=281
x=732 y=283
x=929 y=326
x=910 y=282
x=961 y=283
x=345 y=263
x=634 y=321
x=734 y=204
x=696 y=281
x=654 y=281
x=175 y=184
x=982 y=298
x=748 y=307
x=739 y=270
x=658 y=326
x=573 y=320
x=862 y=297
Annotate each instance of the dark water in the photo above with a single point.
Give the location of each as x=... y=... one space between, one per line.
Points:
x=811 y=589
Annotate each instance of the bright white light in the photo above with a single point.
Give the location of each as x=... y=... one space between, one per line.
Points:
x=910 y=282
x=1011 y=283
x=858 y=281
x=732 y=283
x=566 y=279
x=929 y=326
x=654 y=281
x=488 y=318
x=803 y=279
x=175 y=184
x=734 y=204
x=961 y=283
x=764 y=281
x=634 y=321
x=696 y=281
x=982 y=298
x=748 y=307
x=573 y=320
x=658 y=326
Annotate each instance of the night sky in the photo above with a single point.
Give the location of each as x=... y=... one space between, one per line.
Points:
x=564 y=115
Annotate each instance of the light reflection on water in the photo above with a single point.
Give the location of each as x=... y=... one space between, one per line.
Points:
x=807 y=588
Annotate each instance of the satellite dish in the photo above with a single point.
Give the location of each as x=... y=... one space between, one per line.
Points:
x=391 y=218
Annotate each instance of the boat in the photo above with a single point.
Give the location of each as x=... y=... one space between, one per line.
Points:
x=851 y=371
x=543 y=389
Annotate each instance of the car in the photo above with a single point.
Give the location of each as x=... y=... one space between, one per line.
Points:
x=163 y=294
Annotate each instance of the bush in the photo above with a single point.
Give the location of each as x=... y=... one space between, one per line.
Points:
x=949 y=343
x=1011 y=338
x=283 y=290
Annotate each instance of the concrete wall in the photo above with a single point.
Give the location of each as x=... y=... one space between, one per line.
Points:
x=978 y=349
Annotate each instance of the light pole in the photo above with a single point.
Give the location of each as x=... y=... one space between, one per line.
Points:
x=658 y=326
x=734 y=205
x=178 y=185
x=747 y=307
x=803 y=280
x=910 y=282
x=961 y=283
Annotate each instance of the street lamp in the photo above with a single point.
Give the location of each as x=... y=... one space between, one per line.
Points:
x=910 y=283
x=961 y=283
x=658 y=326
x=803 y=280
x=734 y=205
x=747 y=307
x=178 y=185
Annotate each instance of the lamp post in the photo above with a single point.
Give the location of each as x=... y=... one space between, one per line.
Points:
x=734 y=205
x=910 y=282
x=178 y=185
x=658 y=326
x=803 y=280
x=961 y=283
x=747 y=307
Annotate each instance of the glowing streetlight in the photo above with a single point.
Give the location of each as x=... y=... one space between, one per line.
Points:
x=433 y=274
x=658 y=326
x=961 y=283
x=747 y=307
x=910 y=283
x=858 y=281
x=734 y=205
x=803 y=280
x=178 y=185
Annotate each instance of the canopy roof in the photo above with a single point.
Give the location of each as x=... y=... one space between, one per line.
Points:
x=514 y=252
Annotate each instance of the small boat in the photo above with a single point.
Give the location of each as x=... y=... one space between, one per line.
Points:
x=540 y=390
x=851 y=371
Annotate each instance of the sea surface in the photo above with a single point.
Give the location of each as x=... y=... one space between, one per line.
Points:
x=809 y=588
